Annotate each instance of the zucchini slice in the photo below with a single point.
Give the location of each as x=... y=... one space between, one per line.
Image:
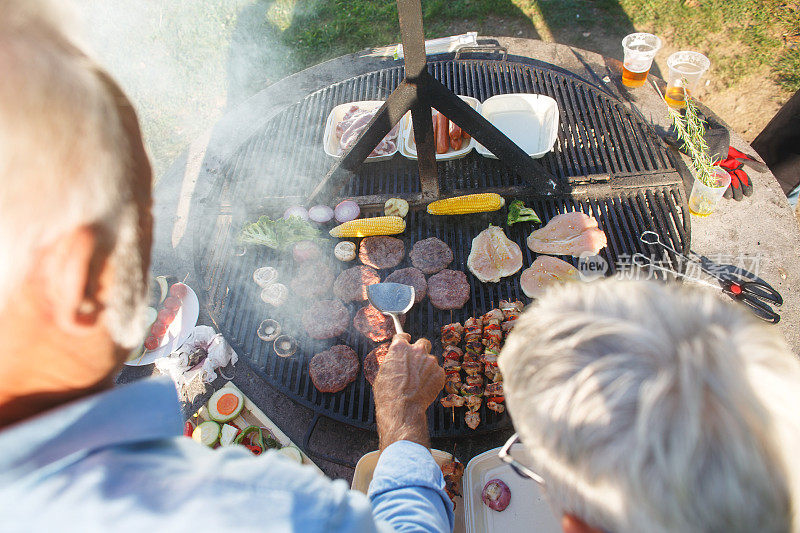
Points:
x=293 y=453
x=206 y=433
x=225 y=405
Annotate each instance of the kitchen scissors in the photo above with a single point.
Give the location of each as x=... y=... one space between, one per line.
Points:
x=756 y=294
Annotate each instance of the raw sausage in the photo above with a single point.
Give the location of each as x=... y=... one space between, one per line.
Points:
x=442 y=130
x=455 y=136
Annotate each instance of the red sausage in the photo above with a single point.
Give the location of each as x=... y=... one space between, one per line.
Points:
x=442 y=134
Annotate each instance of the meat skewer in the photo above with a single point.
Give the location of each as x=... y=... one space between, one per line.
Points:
x=492 y=339
x=473 y=388
x=451 y=336
x=452 y=471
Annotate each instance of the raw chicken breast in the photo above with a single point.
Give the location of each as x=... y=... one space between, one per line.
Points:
x=545 y=272
x=493 y=255
x=568 y=234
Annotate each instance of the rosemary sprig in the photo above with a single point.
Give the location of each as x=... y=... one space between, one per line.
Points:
x=691 y=128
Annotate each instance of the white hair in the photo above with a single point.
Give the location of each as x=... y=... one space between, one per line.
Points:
x=654 y=408
x=65 y=160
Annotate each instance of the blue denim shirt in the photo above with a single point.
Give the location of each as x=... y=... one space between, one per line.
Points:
x=117 y=461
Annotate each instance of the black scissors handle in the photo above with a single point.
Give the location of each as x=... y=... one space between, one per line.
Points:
x=751 y=294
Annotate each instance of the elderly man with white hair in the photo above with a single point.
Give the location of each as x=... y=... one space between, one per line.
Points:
x=650 y=408
x=78 y=454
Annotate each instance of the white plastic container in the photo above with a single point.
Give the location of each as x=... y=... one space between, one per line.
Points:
x=530 y=120
x=366 y=467
x=528 y=510
x=409 y=148
x=330 y=140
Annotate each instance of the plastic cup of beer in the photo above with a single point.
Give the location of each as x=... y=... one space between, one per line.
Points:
x=685 y=70
x=639 y=50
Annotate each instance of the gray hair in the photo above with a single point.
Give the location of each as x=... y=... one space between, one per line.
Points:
x=655 y=408
x=65 y=160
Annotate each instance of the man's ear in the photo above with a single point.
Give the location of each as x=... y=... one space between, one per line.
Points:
x=69 y=273
x=573 y=524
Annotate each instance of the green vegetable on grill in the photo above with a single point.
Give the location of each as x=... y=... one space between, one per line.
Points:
x=278 y=234
x=517 y=212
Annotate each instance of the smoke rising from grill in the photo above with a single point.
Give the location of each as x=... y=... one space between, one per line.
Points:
x=183 y=63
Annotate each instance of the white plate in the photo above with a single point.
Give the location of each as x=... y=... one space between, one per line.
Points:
x=528 y=510
x=409 y=148
x=330 y=140
x=530 y=120
x=366 y=467
x=178 y=331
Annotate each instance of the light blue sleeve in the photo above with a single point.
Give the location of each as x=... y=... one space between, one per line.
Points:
x=407 y=490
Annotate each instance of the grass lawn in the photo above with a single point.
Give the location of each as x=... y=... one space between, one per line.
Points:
x=184 y=61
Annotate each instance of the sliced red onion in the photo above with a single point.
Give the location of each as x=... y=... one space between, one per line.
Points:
x=296 y=211
x=346 y=211
x=305 y=251
x=320 y=214
x=496 y=495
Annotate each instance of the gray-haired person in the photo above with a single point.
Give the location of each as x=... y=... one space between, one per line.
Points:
x=76 y=453
x=651 y=408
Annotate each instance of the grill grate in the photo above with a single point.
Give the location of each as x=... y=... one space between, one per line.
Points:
x=597 y=135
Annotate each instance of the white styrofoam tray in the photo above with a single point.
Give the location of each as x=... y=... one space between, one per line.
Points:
x=528 y=510
x=408 y=147
x=530 y=120
x=330 y=140
x=366 y=467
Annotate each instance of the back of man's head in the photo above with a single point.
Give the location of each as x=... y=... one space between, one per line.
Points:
x=651 y=408
x=65 y=158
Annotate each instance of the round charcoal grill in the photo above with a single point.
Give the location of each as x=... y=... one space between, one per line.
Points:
x=284 y=159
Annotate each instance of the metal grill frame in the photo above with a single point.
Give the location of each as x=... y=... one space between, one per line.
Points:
x=642 y=191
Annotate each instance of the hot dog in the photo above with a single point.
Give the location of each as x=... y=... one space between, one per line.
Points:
x=455 y=136
x=442 y=130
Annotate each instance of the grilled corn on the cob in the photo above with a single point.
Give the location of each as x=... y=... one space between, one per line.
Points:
x=470 y=203
x=366 y=227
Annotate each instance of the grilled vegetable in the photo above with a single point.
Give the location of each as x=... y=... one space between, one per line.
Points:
x=296 y=211
x=366 y=227
x=207 y=433
x=320 y=214
x=278 y=234
x=188 y=429
x=225 y=405
x=346 y=211
x=396 y=206
x=345 y=251
x=517 y=212
x=470 y=203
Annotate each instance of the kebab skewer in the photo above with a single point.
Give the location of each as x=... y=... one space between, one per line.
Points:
x=452 y=472
x=451 y=337
x=472 y=390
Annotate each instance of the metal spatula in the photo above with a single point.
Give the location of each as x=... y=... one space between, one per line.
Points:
x=391 y=299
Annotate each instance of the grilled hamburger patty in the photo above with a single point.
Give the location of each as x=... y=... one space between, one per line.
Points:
x=312 y=280
x=381 y=252
x=374 y=324
x=351 y=285
x=374 y=360
x=431 y=255
x=449 y=289
x=333 y=369
x=410 y=276
x=326 y=319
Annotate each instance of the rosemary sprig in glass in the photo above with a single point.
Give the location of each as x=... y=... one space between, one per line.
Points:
x=691 y=128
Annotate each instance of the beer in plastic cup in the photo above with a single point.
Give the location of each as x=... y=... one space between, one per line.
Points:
x=685 y=70
x=639 y=50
